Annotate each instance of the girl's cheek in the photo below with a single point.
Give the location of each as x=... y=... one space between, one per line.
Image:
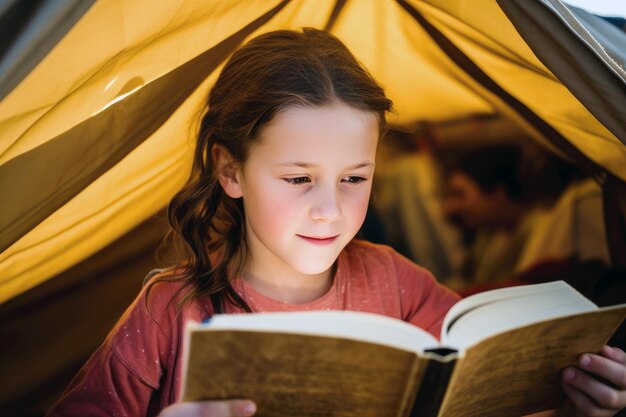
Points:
x=273 y=199
x=280 y=204
x=361 y=203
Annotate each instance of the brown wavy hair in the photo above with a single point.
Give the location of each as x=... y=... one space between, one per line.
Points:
x=269 y=73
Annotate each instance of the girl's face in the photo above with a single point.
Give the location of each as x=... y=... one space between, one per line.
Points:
x=306 y=186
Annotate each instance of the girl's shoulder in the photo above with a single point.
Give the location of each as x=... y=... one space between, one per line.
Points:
x=165 y=279
x=164 y=291
x=159 y=308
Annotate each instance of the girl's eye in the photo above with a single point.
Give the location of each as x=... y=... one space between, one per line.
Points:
x=298 y=180
x=354 y=180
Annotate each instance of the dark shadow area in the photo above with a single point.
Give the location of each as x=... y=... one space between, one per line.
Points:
x=51 y=330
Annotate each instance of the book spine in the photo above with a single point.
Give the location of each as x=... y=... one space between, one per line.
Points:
x=434 y=385
x=410 y=391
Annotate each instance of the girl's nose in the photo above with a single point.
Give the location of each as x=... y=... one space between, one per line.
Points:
x=326 y=206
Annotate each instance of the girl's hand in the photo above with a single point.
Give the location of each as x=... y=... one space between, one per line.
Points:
x=597 y=387
x=225 y=408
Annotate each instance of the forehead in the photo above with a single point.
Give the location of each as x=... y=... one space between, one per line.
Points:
x=333 y=131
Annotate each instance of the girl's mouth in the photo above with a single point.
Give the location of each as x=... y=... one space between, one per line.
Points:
x=319 y=240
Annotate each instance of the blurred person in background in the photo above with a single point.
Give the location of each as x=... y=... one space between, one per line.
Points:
x=518 y=207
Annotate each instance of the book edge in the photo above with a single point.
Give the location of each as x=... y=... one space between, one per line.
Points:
x=189 y=326
x=398 y=326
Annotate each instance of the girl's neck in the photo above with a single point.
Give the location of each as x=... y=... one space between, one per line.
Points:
x=289 y=287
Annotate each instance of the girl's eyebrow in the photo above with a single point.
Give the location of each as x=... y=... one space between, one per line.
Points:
x=308 y=165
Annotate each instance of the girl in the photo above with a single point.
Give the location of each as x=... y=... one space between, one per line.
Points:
x=280 y=185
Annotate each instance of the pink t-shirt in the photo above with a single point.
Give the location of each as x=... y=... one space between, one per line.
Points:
x=137 y=371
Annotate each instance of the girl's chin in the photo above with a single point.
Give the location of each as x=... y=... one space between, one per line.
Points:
x=317 y=261
x=315 y=268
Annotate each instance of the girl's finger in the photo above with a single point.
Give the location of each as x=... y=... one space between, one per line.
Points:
x=225 y=408
x=603 y=395
x=604 y=367
x=234 y=408
x=614 y=353
x=581 y=405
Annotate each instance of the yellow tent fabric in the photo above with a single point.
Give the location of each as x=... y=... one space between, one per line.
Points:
x=98 y=136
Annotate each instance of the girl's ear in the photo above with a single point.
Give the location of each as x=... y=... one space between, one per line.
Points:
x=228 y=172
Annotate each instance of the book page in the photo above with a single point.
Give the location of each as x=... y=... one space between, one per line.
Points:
x=544 y=303
x=302 y=375
x=518 y=372
x=488 y=297
x=367 y=327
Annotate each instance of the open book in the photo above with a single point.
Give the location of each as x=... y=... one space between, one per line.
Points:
x=501 y=354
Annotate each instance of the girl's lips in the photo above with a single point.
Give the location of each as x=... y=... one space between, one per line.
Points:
x=319 y=241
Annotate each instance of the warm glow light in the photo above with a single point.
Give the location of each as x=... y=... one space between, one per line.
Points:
x=116 y=99
x=111 y=83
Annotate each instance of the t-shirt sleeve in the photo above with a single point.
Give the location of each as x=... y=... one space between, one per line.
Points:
x=124 y=373
x=105 y=386
x=424 y=301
